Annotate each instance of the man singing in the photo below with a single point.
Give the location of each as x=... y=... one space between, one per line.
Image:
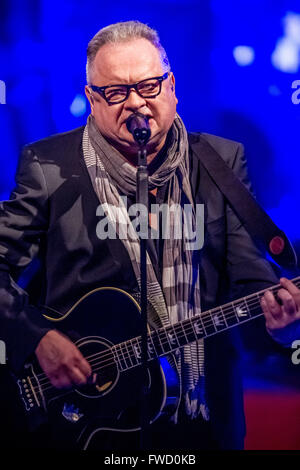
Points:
x=52 y=214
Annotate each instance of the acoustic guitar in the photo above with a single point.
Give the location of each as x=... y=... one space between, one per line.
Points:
x=105 y=325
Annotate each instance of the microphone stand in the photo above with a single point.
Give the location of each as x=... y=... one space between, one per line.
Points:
x=137 y=124
x=142 y=198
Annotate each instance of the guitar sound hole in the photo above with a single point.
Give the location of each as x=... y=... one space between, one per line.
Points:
x=105 y=371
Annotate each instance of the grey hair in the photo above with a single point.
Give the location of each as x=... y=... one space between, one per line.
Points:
x=122 y=32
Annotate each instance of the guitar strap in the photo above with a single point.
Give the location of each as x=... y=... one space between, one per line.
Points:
x=257 y=222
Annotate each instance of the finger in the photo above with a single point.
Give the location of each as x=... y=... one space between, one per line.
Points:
x=81 y=363
x=289 y=286
x=84 y=367
x=77 y=377
x=288 y=303
x=272 y=305
x=60 y=381
x=269 y=318
x=92 y=379
x=293 y=290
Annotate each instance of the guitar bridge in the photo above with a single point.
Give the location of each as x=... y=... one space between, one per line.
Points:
x=30 y=391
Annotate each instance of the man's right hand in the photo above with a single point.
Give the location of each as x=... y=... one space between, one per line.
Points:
x=62 y=361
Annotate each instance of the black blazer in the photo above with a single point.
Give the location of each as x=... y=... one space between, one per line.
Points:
x=52 y=214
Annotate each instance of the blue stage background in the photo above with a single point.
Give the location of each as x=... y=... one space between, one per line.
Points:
x=43 y=53
x=237 y=70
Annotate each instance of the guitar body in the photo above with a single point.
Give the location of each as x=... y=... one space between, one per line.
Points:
x=103 y=318
x=106 y=326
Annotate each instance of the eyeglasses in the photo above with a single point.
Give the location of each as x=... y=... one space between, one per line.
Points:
x=148 y=88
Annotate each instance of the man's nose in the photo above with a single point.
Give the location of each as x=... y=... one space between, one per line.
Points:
x=134 y=100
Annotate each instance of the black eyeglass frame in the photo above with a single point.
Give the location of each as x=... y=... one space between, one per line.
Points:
x=101 y=89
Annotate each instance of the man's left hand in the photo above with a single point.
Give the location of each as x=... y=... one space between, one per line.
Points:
x=283 y=319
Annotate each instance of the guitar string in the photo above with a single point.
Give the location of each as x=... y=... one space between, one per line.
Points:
x=127 y=367
x=127 y=355
x=178 y=326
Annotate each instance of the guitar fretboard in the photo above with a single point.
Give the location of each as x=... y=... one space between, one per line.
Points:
x=166 y=340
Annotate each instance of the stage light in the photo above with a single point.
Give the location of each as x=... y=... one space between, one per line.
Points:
x=286 y=56
x=292 y=26
x=244 y=55
x=78 y=106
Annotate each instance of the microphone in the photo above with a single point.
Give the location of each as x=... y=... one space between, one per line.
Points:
x=138 y=125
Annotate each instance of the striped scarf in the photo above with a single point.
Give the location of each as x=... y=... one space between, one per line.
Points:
x=179 y=296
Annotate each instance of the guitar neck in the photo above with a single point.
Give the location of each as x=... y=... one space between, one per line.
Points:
x=167 y=339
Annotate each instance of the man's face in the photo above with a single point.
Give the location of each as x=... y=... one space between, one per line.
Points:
x=128 y=63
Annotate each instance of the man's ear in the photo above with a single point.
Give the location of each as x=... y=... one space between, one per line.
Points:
x=89 y=96
x=173 y=86
x=172 y=82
